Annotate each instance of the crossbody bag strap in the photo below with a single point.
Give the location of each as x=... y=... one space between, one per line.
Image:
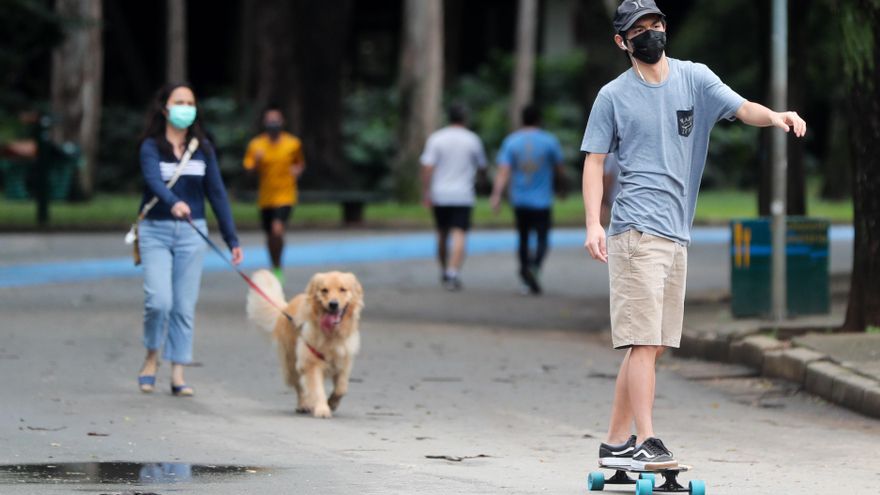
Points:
x=190 y=150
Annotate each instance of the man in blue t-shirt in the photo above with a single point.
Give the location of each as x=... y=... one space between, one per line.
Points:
x=529 y=158
x=655 y=119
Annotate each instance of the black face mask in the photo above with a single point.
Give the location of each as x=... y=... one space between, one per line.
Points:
x=649 y=46
x=273 y=129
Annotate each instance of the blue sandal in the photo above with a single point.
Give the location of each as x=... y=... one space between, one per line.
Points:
x=182 y=391
x=147 y=383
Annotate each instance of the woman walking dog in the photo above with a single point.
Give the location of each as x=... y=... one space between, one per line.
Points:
x=174 y=150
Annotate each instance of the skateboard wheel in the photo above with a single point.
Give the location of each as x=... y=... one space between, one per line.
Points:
x=697 y=487
x=647 y=476
x=596 y=481
x=644 y=487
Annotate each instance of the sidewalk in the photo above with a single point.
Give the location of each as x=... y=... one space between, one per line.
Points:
x=841 y=368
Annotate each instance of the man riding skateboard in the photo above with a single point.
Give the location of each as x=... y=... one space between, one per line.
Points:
x=655 y=119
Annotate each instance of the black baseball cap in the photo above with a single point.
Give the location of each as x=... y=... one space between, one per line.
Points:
x=630 y=11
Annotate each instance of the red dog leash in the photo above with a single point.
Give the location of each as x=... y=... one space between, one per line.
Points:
x=251 y=283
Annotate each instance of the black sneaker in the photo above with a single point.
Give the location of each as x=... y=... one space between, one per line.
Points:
x=452 y=284
x=652 y=455
x=617 y=455
x=528 y=277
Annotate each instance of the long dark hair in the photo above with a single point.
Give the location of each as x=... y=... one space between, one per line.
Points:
x=156 y=121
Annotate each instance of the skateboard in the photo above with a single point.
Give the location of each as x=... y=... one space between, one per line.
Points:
x=596 y=480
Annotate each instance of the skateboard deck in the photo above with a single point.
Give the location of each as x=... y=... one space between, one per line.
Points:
x=645 y=483
x=680 y=468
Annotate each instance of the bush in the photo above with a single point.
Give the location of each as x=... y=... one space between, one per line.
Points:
x=557 y=83
x=369 y=135
x=733 y=153
x=118 y=168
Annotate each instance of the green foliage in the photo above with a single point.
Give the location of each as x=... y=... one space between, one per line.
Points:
x=31 y=29
x=486 y=94
x=857 y=46
x=872 y=330
x=732 y=157
x=230 y=127
x=558 y=81
x=727 y=37
x=118 y=168
x=369 y=135
x=371 y=114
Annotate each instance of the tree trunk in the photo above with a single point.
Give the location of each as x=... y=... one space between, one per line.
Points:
x=524 y=69
x=796 y=202
x=837 y=165
x=319 y=56
x=453 y=13
x=119 y=37
x=420 y=86
x=77 y=74
x=175 y=70
x=300 y=56
x=864 y=117
x=244 y=78
x=273 y=53
x=764 y=159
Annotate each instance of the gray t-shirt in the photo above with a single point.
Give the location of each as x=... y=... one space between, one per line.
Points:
x=455 y=153
x=659 y=134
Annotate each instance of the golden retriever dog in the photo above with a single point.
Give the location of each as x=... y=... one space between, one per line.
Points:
x=322 y=339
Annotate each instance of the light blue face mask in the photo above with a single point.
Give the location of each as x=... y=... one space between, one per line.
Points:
x=181 y=116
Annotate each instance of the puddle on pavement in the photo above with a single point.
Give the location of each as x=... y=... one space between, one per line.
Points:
x=121 y=473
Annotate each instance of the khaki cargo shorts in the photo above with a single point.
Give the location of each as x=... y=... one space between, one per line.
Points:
x=647 y=276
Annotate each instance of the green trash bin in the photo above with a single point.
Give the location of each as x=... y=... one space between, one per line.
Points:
x=806 y=267
x=61 y=171
x=15 y=173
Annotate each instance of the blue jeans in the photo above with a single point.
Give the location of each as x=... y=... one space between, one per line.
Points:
x=172 y=254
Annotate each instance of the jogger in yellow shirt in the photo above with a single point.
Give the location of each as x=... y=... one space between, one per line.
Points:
x=276 y=156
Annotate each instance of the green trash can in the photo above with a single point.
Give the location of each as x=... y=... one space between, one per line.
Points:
x=15 y=173
x=806 y=267
x=61 y=171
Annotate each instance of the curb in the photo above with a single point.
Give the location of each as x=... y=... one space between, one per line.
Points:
x=815 y=372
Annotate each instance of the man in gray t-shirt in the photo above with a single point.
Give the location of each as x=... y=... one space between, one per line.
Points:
x=655 y=119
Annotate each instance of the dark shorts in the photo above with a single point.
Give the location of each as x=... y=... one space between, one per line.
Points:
x=452 y=217
x=268 y=215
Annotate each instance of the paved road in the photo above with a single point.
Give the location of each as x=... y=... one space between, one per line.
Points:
x=525 y=381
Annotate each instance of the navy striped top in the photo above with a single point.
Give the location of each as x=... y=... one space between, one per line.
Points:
x=199 y=179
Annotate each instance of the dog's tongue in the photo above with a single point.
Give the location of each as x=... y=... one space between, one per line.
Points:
x=329 y=321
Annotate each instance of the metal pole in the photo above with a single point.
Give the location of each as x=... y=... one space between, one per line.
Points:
x=780 y=158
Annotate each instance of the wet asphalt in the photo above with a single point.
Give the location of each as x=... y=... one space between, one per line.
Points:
x=518 y=388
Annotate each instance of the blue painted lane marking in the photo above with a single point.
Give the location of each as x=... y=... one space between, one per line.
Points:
x=365 y=249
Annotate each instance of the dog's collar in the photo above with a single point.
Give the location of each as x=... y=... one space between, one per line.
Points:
x=316 y=352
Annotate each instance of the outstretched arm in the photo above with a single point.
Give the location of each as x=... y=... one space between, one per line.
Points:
x=760 y=116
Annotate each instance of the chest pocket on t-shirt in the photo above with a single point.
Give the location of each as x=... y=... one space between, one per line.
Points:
x=685 y=120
